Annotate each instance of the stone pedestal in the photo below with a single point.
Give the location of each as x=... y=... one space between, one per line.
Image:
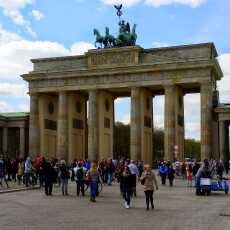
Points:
x=170 y=122
x=22 y=142
x=206 y=93
x=62 y=126
x=93 y=125
x=135 y=129
x=34 y=129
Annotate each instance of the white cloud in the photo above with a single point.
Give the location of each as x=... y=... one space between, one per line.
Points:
x=191 y=3
x=17 y=90
x=125 y=119
x=156 y=3
x=5 y=107
x=6 y=37
x=38 y=15
x=124 y=2
x=81 y=47
x=15 y=55
x=12 y=9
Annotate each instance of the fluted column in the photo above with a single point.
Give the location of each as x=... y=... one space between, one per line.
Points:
x=93 y=126
x=206 y=93
x=62 y=126
x=170 y=122
x=22 y=142
x=222 y=139
x=135 y=135
x=34 y=130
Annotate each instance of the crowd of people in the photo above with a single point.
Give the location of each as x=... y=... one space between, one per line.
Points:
x=45 y=173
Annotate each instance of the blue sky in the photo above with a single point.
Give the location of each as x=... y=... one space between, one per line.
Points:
x=44 y=28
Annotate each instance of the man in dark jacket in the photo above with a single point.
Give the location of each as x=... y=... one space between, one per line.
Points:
x=49 y=177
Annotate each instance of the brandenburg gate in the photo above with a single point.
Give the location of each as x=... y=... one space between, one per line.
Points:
x=60 y=88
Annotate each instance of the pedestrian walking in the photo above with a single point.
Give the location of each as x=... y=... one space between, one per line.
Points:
x=127 y=183
x=20 y=172
x=171 y=174
x=3 y=172
x=80 y=177
x=93 y=179
x=49 y=177
x=189 y=171
x=65 y=176
x=149 y=180
x=163 y=170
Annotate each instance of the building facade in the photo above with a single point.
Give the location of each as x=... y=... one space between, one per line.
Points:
x=14 y=134
x=61 y=88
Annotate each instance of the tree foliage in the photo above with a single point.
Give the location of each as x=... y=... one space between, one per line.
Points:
x=122 y=143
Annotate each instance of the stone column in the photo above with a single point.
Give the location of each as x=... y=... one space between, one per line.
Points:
x=180 y=133
x=22 y=142
x=62 y=126
x=93 y=125
x=206 y=93
x=34 y=129
x=222 y=139
x=5 y=142
x=135 y=135
x=170 y=121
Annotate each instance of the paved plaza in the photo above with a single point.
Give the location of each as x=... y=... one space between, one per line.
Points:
x=177 y=208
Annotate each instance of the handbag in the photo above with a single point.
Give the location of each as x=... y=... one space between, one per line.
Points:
x=143 y=181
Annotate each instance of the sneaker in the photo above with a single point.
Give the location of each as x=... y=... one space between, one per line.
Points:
x=127 y=206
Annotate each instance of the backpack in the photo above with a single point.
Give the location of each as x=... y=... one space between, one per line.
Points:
x=80 y=174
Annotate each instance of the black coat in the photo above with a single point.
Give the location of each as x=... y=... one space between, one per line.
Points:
x=49 y=173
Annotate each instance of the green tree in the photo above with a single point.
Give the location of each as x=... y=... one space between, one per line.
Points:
x=192 y=149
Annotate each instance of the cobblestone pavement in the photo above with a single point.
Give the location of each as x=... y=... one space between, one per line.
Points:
x=177 y=208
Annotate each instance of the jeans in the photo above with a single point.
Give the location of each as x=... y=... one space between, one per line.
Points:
x=110 y=179
x=149 y=197
x=80 y=187
x=27 y=178
x=127 y=195
x=93 y=189
x=64 y=186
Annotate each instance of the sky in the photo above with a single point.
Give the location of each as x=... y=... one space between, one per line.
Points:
x=50 y=28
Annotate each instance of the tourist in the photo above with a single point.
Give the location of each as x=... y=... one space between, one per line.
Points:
x=110 y=170
x=148 y=179
x=65 y=176
x=80 y=176
x=135 y=174
x=20 y=172
x=226 y=165
x=189 y=171
x=127 y=185
x=14 y=169
x=120 y=170
x=28 y=171
x=3 y=171
x=171 y=174
x=183 y=170
x=219 y=169
x=102 y=168
x=163 y=170
x=93 y=179
x=49 y=177
x=195 y=168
